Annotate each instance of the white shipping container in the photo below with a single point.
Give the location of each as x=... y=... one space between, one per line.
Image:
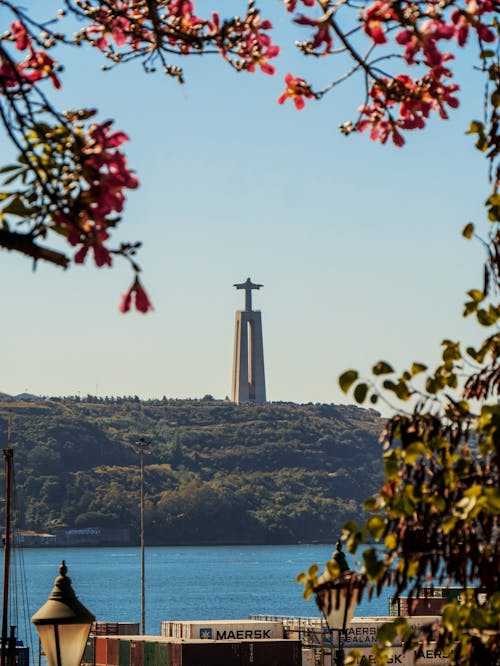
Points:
x=425 y=656
x=364 y=630
x=223 y=630
x=308 y=657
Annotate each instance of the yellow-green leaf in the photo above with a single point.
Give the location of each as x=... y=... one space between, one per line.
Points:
x=376 y=526
x=360 y=393
x=468 y=230
x=382 y=368
x=347 y=379
x=414 y=451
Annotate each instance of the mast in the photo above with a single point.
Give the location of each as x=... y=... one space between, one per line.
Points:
x=8 y=640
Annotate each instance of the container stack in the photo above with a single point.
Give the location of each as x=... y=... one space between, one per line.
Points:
x=167 y=651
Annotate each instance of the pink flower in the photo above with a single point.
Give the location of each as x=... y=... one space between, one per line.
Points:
x=321 y=36
x=375 y=16
x=291 y=4
x=424 y=38
x=296 y=89
x=137 y=296
x=20 y=35
x=42 y=66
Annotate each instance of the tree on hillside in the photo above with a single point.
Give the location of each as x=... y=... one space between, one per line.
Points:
x=71 y=176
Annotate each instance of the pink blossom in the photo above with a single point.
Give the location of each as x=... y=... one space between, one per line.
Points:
x=291 y=4
x=322 y=35
x=296 y=89
x=375 y=16
x=42 y=66
x=137 y=296
x=20 y=35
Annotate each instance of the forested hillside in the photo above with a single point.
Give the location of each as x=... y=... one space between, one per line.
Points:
x=216 y=472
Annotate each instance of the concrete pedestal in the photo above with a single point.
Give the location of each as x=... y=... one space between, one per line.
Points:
x=249 y=383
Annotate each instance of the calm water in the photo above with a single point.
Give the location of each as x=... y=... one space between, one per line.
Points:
x=183 y=583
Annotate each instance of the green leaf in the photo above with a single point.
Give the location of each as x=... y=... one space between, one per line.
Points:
x=350 y=527
x=476 y=295
x=469 y=308
x=387 y=633
x=493 y=499
x=382 y=368
x=416 y=368
x=484 y=318
x=10 y=167
x=17 y=207
x=451 y=351
x=390 y=385
x=14 y=177
x=313 y=570
x=476 y=127
x=370 y=504
x=347 y=379
x=448 y=524
x=360 y=393
x=391 y=542
x=376 y=526
x=451 y=616
x=374 y=398
x=413 y=452
x=468 y=230
x=374 y=569
x=391 y=464
x=493 y=200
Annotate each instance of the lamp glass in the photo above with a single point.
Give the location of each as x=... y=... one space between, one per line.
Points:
x=72 y=640
x=337 y=606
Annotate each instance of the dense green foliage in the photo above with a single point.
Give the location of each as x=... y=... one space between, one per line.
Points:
x=216 y=472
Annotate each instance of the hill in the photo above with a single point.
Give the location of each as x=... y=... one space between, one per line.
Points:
x=216 y=473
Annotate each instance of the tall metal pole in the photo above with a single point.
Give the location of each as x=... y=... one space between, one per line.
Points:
x=141 y=445
x=8 y=455
x=143 y=572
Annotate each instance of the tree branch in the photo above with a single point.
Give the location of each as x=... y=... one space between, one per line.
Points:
x=24 y=243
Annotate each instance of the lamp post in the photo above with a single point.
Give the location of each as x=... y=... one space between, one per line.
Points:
x=337 y=598
x=141 y=447
x=63 y=623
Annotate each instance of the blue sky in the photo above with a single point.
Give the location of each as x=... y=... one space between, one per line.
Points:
x=358 y=245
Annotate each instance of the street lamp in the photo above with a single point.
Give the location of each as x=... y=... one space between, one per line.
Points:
x=63 y=623
x=337 y=598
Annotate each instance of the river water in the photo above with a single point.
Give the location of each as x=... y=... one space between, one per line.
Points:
x=182 y=583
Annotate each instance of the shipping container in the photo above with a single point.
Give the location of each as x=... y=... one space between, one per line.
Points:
x=279 y=652
x=272 y=653
x=162 y=653
x=308 y=658
x=101 y=651
x=113 y=650
x=223 y=630
x=205 y=653
x=124 y=652
x=22 y=656
x=148 y=653
x=89 y=652
x=422 y=605
x=427 y=656
x=115 y=628
x=363 y=631
x=136 y=652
